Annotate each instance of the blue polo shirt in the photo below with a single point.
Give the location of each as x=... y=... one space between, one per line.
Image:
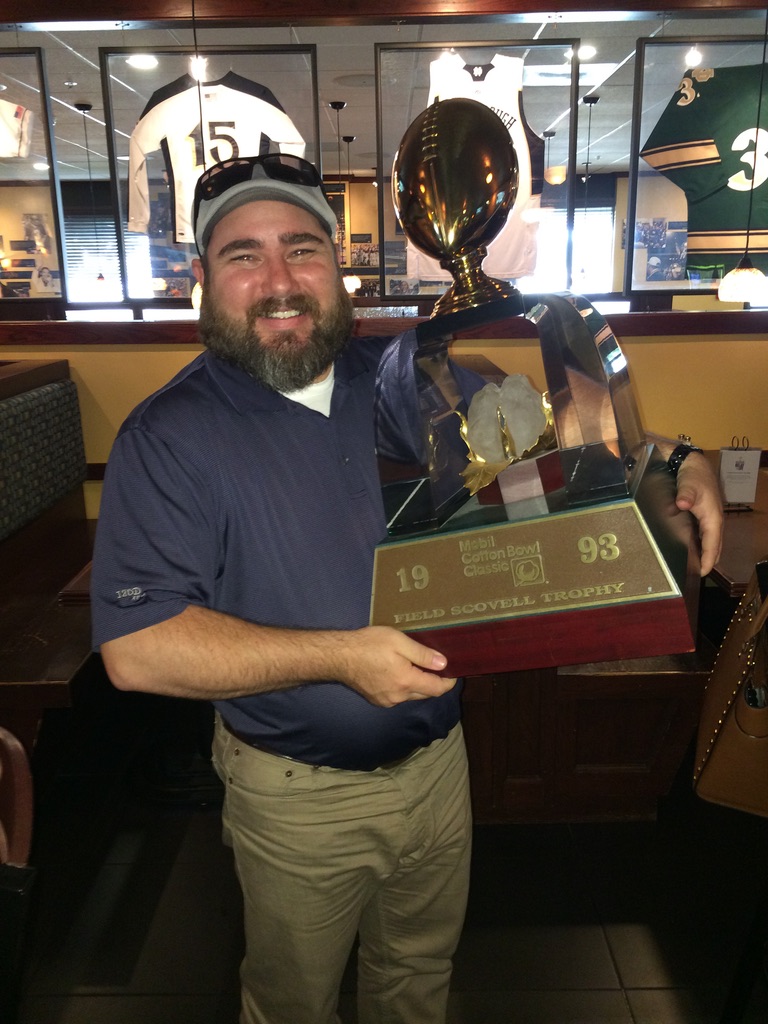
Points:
x=223 y=494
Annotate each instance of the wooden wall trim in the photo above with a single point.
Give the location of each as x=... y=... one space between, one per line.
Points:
x=282 y=12
x=66 y=334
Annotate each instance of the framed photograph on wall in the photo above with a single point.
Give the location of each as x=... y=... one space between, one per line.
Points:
x=698 y=177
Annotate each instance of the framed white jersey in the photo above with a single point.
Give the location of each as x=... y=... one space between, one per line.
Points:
x=16 y=123
x=195 y=125
x=497 y=84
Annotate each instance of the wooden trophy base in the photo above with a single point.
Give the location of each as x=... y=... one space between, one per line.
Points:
x=600 y=583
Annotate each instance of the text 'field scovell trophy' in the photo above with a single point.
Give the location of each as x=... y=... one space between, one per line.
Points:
x=534 y=529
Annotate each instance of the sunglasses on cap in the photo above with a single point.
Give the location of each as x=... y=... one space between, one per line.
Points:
x=293 y=170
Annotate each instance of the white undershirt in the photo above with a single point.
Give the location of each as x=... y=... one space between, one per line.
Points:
x=316 y=396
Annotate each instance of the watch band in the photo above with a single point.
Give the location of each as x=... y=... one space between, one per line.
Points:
x=679 y=455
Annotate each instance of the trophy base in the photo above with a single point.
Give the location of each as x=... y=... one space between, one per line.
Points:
x=609 y=582
x=623 y=631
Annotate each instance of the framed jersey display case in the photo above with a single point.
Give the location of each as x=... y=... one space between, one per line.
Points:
x=533 y=89
x=168 y=122
x=699 y=163
x=30 y=241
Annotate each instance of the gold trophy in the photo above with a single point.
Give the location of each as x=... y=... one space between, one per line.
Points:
x=454 y=181
x=605 y=566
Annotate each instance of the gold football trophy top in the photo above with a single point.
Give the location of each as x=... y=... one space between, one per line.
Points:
x=454 y=181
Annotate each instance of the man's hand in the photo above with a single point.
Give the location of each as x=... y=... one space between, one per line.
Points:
x=698 y=491
x=387 y=667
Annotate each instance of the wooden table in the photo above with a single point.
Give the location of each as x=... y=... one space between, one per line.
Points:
x=43 y=644
x=745 y=541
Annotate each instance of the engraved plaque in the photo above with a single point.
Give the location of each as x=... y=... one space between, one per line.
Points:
x=612 y=581
x=562 y=562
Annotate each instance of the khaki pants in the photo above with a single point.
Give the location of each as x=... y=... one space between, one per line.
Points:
x=323 y=854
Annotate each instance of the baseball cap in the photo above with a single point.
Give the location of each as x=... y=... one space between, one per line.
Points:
x=280 y=177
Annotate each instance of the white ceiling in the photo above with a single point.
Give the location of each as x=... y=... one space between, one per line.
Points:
x=346 y=71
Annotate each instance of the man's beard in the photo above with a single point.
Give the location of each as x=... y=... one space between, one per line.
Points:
x=284 y=363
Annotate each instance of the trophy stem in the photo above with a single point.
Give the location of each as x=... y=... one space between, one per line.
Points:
x=471 y=285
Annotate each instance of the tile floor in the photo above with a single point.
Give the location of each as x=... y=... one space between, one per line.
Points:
x=136 y=914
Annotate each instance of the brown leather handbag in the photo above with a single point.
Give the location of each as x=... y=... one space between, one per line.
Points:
x=731 y=765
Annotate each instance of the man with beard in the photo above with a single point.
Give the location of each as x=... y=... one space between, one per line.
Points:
x=233 y=563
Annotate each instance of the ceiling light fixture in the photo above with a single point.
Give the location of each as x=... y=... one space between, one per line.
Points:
x=693 y=58
x=585 y=52
x=745 y=283
x=338 y=106
x=349 y=139
x=341 y=237
x=198 y=67
x=142 y=61
x=84 y=109
x=590 y=102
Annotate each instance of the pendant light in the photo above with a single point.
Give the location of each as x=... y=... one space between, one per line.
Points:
x=351 y=281
x=341 y=234
x=338 y=106
x=693 y=58
x=196 y=297
x=554 y=174
x=84 y=109
x=746 y=283
x=349 y=139
x=198 y=64
x=590 y=101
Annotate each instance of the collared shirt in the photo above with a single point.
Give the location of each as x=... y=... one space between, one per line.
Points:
x=224 y=494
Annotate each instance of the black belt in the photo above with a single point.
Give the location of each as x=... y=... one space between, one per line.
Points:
x=274 y=753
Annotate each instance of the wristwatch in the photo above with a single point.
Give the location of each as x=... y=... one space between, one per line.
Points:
x=680 y=454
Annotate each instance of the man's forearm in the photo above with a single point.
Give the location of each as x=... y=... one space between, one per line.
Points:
x=208 y=655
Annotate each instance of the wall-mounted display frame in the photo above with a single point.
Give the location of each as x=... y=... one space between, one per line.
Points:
x=167 y=124
x=534 y=90
x=30 y=234
x=71 y=53
x=696 y=151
